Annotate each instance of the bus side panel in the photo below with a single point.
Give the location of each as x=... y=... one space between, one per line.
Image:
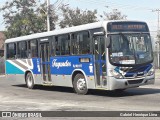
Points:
x=37 y=70
x=13 y=68
x=38 y=79
x=14 y=72
x=35 y=66
x=63 y=67
x=62 y=80
x=16 y=69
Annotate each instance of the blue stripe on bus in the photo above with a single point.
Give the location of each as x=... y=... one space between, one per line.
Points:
x=59 y=65
x=11 y=69
x=141 y=70
x=66 y=65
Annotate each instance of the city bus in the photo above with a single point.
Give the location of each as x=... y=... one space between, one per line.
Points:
x=107 y=55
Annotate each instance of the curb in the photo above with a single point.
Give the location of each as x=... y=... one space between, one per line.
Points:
x=2 y=75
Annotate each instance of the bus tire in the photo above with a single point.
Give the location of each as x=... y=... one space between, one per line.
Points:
x=29 y=81
x=80 y=85
x=119 y=90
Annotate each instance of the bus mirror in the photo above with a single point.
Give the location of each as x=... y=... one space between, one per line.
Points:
x=108 y=42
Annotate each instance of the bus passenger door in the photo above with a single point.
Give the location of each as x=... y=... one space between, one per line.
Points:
x=45 y=62
x=100 y=61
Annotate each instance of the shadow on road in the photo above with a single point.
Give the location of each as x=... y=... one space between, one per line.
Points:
x=125 y=93
x=49 y=88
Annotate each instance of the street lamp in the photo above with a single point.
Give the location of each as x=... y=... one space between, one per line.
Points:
x=48 y=13
x=158 y=54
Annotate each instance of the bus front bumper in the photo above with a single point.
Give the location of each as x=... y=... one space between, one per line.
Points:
x=129 y=83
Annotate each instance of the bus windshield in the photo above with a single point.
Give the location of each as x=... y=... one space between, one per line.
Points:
x=130 y=49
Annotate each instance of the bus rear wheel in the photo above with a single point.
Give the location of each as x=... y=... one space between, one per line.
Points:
x=29 y=81
x=80 y=85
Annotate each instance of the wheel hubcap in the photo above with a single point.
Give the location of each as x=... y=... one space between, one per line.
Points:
x=29 y=81
x=81 y=84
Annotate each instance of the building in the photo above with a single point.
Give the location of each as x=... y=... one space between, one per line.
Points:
x=2 y=39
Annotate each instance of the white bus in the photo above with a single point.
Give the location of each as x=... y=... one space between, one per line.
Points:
x=109 y=55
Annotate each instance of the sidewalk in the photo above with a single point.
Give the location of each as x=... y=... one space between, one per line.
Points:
x=157 y=73
x=2 y=75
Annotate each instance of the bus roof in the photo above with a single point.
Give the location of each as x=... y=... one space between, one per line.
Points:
x=65 y=30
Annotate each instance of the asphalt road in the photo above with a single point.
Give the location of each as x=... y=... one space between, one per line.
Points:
x=16 y=97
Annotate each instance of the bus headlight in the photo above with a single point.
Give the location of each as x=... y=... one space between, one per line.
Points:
x=116 y=74
x=151 y=72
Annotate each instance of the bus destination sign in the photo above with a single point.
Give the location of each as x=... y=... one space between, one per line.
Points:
x=127 y=27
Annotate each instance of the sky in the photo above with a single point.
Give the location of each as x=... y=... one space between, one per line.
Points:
x=133 y=9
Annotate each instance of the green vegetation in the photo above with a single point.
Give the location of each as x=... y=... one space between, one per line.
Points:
x=24 y=17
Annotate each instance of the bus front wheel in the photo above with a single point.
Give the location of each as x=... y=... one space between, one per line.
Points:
x=80 y=85
x=29 y=80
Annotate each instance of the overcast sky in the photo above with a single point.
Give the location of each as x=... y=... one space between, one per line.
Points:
x=133 y=9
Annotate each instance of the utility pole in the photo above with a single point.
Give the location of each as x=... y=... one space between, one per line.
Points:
x=157 y=10
x=158 y=52
x=48 y=15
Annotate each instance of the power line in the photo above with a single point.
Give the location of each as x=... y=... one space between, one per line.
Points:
x=122 y=6
x=127 y=6
x=58 y=2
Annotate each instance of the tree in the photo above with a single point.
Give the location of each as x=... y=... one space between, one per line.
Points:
x=74 y=17
x=114 y=15
x=24 y=17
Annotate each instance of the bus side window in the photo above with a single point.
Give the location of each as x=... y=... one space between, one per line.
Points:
x=22 y=49
x=65 y=44
x=53 y=46
x=80 y=42
x=11 y=50
x=84 y=42
x=74 y=43
x=29 y=49
x=34 y=48
x=58 y=46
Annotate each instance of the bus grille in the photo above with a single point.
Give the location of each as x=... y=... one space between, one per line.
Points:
x=135 y=81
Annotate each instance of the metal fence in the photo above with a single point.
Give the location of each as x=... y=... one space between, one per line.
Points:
x=2 y=65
